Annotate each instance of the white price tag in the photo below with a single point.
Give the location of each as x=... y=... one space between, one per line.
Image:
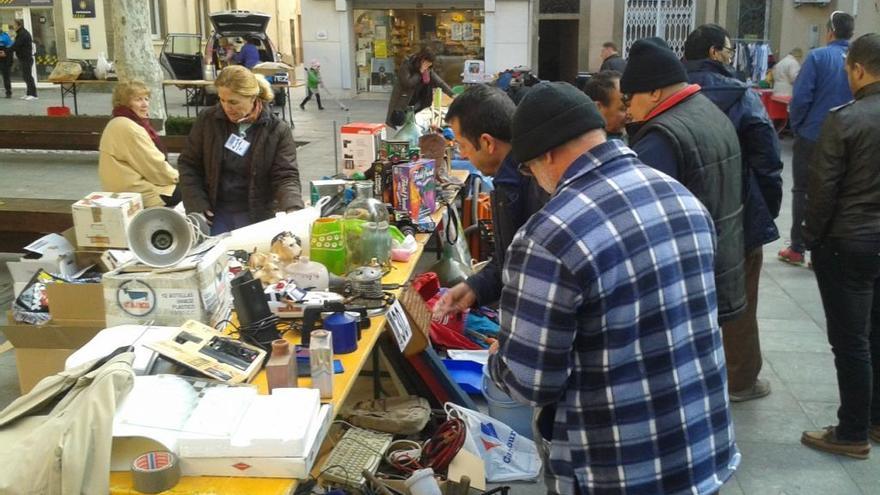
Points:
x=237 y=144
x=399 y=324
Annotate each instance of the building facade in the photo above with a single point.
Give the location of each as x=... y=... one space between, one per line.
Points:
x=360 y=42
x=80 y=29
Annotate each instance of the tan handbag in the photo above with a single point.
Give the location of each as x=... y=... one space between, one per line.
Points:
x=65 y=71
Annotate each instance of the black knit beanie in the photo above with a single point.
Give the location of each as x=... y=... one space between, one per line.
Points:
x=651 y=65
x=551 y=114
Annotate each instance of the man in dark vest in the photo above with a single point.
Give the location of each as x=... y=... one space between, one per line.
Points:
x=680 y=132
x=24 y=50
x=708 y=51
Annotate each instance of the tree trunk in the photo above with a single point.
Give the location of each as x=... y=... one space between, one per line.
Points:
x=135 y=58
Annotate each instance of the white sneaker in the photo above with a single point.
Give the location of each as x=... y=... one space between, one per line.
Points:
x=25 y=97
x=31 y=98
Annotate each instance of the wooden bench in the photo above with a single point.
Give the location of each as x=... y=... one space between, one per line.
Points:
x=79 y=133
x=23 y=221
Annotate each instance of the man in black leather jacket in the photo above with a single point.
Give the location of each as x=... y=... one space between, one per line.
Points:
x=480 y=118
x=842 y=229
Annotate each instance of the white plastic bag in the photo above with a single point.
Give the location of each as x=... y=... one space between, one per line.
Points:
x=507 y=455
x=102 y=67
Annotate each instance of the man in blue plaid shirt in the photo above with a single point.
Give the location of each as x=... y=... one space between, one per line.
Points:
x=608 y=313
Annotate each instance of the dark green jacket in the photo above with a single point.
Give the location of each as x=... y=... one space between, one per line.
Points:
x=705 y=146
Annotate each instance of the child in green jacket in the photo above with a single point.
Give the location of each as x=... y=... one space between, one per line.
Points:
x=313 y=84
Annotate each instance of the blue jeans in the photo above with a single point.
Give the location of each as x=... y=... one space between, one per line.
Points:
x=849 y=282
x=225 y=221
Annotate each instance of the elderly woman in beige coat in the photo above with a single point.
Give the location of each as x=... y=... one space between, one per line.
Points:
x=133 y=158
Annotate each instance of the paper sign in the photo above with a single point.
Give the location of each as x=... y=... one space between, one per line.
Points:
x=237 y=144
x=380 y=48
x=399 y=324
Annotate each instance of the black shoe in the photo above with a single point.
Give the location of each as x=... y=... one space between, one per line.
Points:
x=302 y=106
x=320 y=108
x=9 y=95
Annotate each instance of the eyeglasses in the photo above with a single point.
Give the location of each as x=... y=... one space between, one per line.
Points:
x=626 y=98
x=525 y=169
x=730 y=49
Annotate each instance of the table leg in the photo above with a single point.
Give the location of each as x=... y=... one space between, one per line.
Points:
x=61 y=87
x=187 y=97
x=75 y=104
x=165 y=101
x=289 y=106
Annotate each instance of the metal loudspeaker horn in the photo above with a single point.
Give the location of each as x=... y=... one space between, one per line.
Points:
x=162 y=237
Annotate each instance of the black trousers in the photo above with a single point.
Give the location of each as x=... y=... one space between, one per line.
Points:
x=5 y=71
x=802 y=154
x=309 y=97
x=849 y=282
x=28 y=76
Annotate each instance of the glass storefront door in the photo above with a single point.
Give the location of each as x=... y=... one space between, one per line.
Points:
x=40 y=22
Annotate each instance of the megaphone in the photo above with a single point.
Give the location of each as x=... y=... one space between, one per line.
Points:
x=162 y=237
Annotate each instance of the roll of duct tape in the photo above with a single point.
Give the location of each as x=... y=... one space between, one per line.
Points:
x=155 y=472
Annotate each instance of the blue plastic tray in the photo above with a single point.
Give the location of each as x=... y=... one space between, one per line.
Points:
x=468 y=374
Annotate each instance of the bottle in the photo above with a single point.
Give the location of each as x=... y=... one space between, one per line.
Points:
x=366 y=229
x=308 y=274
x=409 y=131
x=281 y=369
x=321 y=362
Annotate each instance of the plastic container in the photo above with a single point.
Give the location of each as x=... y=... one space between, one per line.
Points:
x=503 y=408
x=308 y=274
x=58 y=111
x=344 y=329
x=366 y=229
x=422 y=482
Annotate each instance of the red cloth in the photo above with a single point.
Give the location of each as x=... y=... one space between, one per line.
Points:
x=123 y=111
x=448 y=332
x=427 y=285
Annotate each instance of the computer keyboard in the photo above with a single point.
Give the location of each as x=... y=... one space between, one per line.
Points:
x=358 y=449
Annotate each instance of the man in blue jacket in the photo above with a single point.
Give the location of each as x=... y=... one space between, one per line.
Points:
x=708 y=52
x=820 y=86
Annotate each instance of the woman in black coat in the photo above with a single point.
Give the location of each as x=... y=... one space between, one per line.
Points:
x=415 y=84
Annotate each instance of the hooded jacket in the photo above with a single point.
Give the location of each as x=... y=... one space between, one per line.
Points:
x=759 y=144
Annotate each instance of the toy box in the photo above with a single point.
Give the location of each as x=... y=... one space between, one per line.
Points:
x=414 y=187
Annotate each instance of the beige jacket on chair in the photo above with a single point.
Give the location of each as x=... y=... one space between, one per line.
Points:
x=131 y=162
x=64 y=448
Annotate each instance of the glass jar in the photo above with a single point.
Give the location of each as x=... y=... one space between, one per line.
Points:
x=366 y=229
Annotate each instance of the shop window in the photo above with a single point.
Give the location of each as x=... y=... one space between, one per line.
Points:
x=559 y=6
x=384 y=38
x=156 y=14
x=753 y=17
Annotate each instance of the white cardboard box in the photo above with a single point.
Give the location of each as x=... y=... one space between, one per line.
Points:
x=360 y=143
x=265 y=467
x=197 y=288
x=258 y=432
x=101 y=218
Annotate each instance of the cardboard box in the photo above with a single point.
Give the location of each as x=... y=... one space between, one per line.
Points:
x=414 y=187
x=101 y=218
x=76 y=302
x=41 y=350
x=53 y=253
x=360 y=143
x=197 y=288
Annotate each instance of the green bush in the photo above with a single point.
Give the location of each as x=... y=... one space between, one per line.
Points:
x=178 y=126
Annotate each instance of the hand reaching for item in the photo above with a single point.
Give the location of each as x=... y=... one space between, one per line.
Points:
x=459 y=298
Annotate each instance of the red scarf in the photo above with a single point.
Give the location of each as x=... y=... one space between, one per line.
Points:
x=122 y=111
x=255 y=113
